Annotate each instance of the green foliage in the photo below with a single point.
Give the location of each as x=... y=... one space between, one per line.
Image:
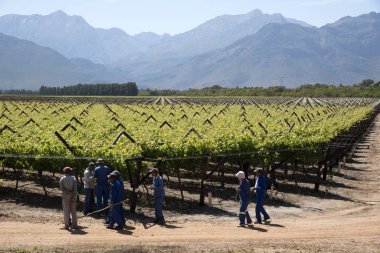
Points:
x=367 y=88
x=91 y=129
x=115 y=89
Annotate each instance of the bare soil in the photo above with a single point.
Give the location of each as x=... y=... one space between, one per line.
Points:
x=343 y=217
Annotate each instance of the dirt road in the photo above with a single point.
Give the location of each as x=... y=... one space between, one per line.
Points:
x=350 y=223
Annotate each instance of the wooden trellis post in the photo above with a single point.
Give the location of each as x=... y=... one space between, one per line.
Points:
x=134 y=180
x=318 y=178
x=203 y=168
x=221 y=161
x=179 y=182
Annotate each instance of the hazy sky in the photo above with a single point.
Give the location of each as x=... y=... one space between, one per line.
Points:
x=176 y=16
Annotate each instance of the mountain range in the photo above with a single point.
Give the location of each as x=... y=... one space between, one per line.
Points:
x=230 y=50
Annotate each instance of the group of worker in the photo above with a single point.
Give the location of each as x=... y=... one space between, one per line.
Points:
x=109 y=190
x=98 y=179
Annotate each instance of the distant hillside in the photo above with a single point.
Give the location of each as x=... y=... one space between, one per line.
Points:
x=71 y=36
x=283 y=54
x=25 y=65
x=230 y=50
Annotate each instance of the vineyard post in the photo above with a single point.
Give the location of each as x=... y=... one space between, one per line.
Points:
x=324 y=171
x=17 y=174
x=203 y=168
x=325 y=165
x=134 y=179
x=295 y=171
x=318 y=177
x=286 y=167
x=179 y=181
x=332 y=161
x=220 y=161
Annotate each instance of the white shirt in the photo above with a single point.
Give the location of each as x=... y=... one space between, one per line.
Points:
x=88 y=179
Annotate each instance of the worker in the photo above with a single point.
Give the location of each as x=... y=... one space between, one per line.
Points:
x=244 y=194
x=122 y=194
x=159 y=195
x=101 y=173
x=115 y=200
x=68 y=186
x=89 y=188
x=260 y=189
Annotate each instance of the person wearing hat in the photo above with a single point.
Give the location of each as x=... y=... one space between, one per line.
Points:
x=115 y=199
x=122 y=194
x=159 y=195
x=244 y=194
x=260 y=189
x=68 y=186
x=89 y=188
x=101 y=173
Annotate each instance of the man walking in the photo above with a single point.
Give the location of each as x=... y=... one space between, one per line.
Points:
x=159 y=194
x=244 y=194
x=89 y=188
x=68 y=186
x=260 y=189
x=101 y=173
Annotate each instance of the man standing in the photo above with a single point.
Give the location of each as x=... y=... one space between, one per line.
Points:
x=244 y=194
x=115 y=199
x=122 y=195
x=89 y=188
x=260 y=189
x=101 y=173
x=68 y=186
x=159 y=194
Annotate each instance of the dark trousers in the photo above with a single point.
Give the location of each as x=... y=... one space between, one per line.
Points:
x=158 y=203
x=88 y=201
x=260 y=207
x=122 y=214
x=101 y=196
x=115 y=216
x=244 y=214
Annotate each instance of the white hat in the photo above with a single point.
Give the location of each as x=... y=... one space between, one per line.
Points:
x=240 y=175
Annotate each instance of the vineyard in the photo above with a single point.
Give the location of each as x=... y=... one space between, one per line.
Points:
x=199 y=135
x=321 y=155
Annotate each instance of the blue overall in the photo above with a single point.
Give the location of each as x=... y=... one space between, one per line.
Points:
x=122 y=197
x=115 y=210
x=100 y=173
x=244 y=194
x=159 y=194
x=260 y=197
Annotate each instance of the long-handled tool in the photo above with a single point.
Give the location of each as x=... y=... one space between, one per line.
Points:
x=103 y=209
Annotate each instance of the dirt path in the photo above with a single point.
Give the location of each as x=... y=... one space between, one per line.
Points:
x=347 y=224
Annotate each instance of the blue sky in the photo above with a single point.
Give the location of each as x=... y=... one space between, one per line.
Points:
x=176 y=16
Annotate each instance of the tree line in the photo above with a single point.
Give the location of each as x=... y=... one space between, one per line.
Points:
x=366 y=88
x=113 y=89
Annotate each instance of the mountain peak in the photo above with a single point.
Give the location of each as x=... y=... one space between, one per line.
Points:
x=58 y=13
x=255 y=12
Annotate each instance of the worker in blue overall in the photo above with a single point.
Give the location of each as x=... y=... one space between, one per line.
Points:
x=260 y=189
x=159 y=195
x=244 y=193
x=122 y=194
x=101 y=173
x=115 y=199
